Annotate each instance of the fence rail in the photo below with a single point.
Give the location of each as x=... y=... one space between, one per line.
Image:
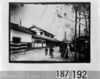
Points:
x=17 y=47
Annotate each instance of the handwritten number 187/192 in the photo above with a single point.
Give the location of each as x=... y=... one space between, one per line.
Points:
x=73 y=74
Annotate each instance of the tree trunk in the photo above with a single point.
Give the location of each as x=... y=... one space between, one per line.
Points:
x=79 y=52
x=85 y=24
x=75 y=34
x=79 y=25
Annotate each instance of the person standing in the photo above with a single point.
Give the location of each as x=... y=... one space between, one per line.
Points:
x=46 y=51
x=66 y=51
x=51 y=52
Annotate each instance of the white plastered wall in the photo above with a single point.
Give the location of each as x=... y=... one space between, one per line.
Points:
x=24 y=36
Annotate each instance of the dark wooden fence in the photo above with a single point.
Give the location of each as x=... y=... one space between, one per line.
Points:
x=17 y=47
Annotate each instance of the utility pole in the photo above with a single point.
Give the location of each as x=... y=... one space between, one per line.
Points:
x=19 y=22
x=79 y=52
x=75 y=34
x=65 y=37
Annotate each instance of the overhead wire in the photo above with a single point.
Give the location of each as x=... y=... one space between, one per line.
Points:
x=60 y=16
x=43 y=12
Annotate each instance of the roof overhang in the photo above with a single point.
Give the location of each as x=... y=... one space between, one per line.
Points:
x=45 y=38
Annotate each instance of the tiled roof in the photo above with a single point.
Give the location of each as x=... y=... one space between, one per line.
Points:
x=45 y=38
x=21 y=28
x=40 y=29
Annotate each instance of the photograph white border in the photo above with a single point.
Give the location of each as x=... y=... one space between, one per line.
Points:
x=4 y=45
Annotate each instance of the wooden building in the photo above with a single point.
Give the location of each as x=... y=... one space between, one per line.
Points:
x=20 y=38
x=42 y=38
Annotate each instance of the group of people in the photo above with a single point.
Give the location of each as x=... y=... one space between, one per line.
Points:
x=65 y=49
x=49 y=51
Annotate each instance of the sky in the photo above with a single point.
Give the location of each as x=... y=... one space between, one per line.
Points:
x=46 y=17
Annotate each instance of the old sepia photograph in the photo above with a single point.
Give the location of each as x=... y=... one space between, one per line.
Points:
x=49 y=32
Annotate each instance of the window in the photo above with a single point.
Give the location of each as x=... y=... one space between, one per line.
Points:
x=41 y=33
x=16 y=39
x=52 y=36
x=38 y=41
